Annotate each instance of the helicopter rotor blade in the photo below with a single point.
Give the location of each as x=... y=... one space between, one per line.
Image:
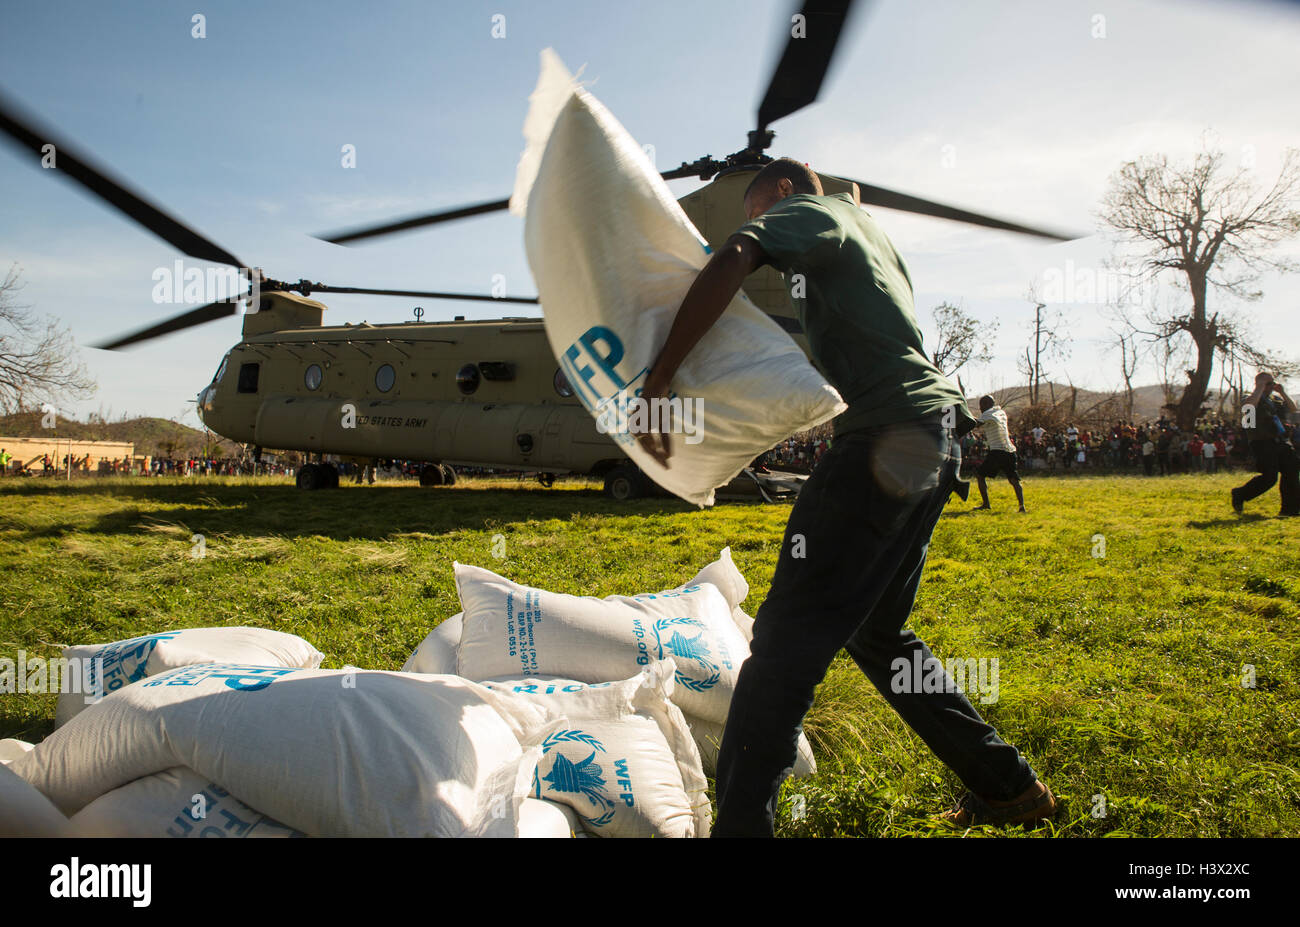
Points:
x=187 y=319
x=219 y=310
x=414 y=222
x=447 y=215
x=423 y=294
x=905 y=202
x=25 y=134
x=798 y=76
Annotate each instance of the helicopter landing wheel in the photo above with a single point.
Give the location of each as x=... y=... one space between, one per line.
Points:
x=624 y=483
x=316 y=476
x=431 y=475
x=448 y=475
x=546 y=479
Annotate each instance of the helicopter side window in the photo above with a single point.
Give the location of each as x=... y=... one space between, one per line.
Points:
x=385 y=377
x=468 y=378
x=561 y=382
x=248 y=377
x=497 y=370
x=311 y=379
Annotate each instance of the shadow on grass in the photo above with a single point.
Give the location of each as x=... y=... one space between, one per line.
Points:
x=362 y=513
x=1229 y=520
x=30 y=723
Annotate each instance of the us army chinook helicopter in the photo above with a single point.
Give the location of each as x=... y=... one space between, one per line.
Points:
x=461 y=393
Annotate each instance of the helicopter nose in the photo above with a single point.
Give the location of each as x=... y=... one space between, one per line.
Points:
x=204 y=400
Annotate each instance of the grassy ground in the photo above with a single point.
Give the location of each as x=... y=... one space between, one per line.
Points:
x=1119 y=676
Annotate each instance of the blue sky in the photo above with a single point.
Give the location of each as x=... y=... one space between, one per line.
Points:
x=1014 y=108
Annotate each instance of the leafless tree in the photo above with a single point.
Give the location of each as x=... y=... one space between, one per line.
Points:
x=38 y=362
x=1210 y=227
x=1047 y=342
x=1127 y=338
x=961 y=339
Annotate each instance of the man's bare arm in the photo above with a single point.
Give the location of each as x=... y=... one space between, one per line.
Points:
x=704 y=304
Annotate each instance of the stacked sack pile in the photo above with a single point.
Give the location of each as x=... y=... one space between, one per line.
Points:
x=530 y=713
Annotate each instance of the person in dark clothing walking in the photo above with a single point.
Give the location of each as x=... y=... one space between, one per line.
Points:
x=857 y=538
x=1275 y=456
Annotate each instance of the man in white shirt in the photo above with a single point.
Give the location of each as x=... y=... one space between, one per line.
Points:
x=1207 y=454
x=1001 y=456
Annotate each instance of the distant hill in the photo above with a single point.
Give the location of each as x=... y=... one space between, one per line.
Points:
x=157 y=437
x=1147 y=400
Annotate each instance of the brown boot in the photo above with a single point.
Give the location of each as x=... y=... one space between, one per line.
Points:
x=1036 y=803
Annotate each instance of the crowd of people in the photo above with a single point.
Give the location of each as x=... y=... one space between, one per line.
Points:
x=45 y=465
x=217 y=466
x=1266 y=441
x=799 y=453
x=1152 y=448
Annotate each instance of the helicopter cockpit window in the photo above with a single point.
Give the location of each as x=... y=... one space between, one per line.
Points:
x=248 y=377
x=562 y=384
x=312 y=377
x=467 y=378
x=221 y=371
x=385 y=377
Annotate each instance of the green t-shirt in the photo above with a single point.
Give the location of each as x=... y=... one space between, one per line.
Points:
x=854 y=300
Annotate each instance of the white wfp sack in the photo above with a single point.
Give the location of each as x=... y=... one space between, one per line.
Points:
x=437 y=652
x=625 y=760
x=176 y=802
x=11 y=749
x=326 y=752
x=125 y=662
x=25 y=812
x=437 y=655
x=613 y=254
x=180 y=803
x=541 y=818
x=596 y=640
x=512 y=630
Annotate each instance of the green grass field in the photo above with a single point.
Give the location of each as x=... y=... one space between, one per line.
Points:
x=1120 y=676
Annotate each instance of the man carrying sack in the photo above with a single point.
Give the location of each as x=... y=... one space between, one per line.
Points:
x=857 y=537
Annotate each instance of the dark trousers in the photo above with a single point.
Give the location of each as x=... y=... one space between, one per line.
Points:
x=1274 y=461
x=846 y=578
